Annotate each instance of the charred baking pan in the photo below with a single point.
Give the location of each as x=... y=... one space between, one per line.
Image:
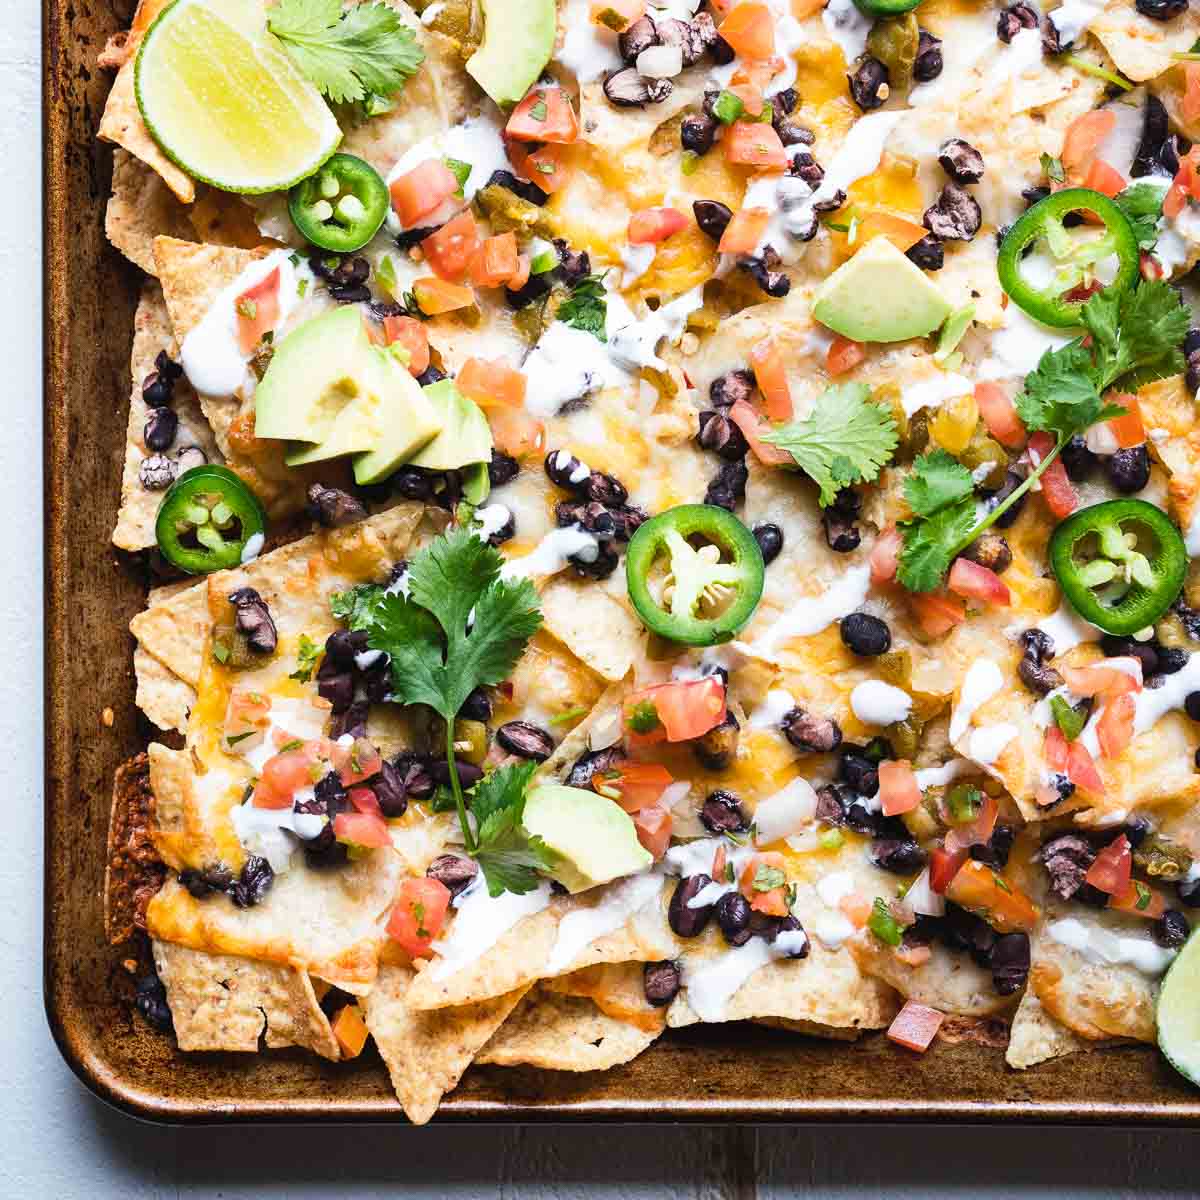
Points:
x=719 y=1073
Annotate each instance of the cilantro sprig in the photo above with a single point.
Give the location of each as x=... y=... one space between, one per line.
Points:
x=587 y=307
x=1142 y=205
x=461 y=626
x=1134 y=339
x=365 y=53
x=846 y=439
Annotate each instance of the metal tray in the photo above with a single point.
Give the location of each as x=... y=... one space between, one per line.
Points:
x=720 y=1073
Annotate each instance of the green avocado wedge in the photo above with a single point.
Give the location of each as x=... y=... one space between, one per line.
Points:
x=518 y=41
x=1179 y=1011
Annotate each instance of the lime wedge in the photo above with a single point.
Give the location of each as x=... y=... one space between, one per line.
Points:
x=1179 y=1011
x=223 y=100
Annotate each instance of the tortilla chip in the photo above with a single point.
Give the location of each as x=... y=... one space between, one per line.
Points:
x=141 y=208
x=811 y=1029
x=596 y=628
x=427 y=1052
x=139 y=505
x=1037 y=1037
x=223 y=1003
x=166 y=699
x=134 y=871
x=606 y=709
x=1142 y=48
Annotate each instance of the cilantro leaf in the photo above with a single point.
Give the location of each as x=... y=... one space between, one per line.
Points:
x=501 y=789
x=845 y=439
x=306 y=659
x=1142 y=205
x=1061 y=394
x=1052 y=168
x=509 y=857
x=365 y=52
x=411 y=637
x=931 y=543
x=587 y=307
x=1137 y=335
x=937 y=480
x=357 y=606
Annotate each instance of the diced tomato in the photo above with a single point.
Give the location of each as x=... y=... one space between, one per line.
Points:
x=1110 y=872
x=496 y=261
x=451 y=250
x=898 y=790
x=636 y=784
x=1114 y=730
x=772 y=901
x=685 y=710
x=1149 y=266
x=751 y=96
x=349 y=1030
x=936 y=612
x=885 y=555
x=750 y=30
x=420 y=191
x=520 y=277
x=903 y=234
x=719 y=860
x=653 y=827
x=1084 y=136
x=492 y=383
x=843 y=355
x=754 y=144
x=1061 y=498
x=742 y=234
x=545 y=115
x=943 y=866
x=1128 y=429
x=435 y=296
x=1056 y=750
x=1140 y=900
x=986 y=892
x=1103 y=679
x=418 y=915
x=1190 y=106
x=973 y=582
x=1185 y=186
x=247 y=718
x=766 y=361
x=357 y=762
x=977 y=831
x=364 y=800
x=1081 y=769
x=650 y=226
x=915 y=1026
x=517 y=432
x=1104 y=178
x=546 y=167
x=617 y=15
x=362 y=829
x=409 y=333
x=283 y=776
x=1000 y=415
x=257 y=311
x=753 y=427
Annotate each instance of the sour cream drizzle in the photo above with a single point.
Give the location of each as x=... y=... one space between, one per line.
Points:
x=552 y=554
x=983 y=680
x=582 y=926
x=812 y=614
x=480 y=923
x=1101 y=946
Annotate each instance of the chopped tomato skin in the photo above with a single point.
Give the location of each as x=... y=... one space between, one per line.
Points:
x=364 y=800
x=545 y=115
x=653 y=827
x=767 y=363
x=492 y=383
x=754 y=144
x=1083 y=138
x=637 y=785
x=885 y=555
x=1114 y=730
x=772 y=901
x=685 y=710
x=496 y=261
x=1185 y=186
x=420 y=191
x=283 y=775
x=750 y=30
x=356 y=763
x=1000 y=416
x=744 y=230
x=904 y=235
x=247 y=718
x=1112 y=868
x=1060 y=496
x=1101 y=679
x=936 y=612
x=915 y=1026
x=753 y=427
x=843 y=355
x=418 y=915
x=989 y=895
x=257 y=311
x=1128 y=429
x=545 y=167
x=943 y=866
x=1104 y=178
x=435 y=296
x=976 y=832
x=520 y=277
x=451 y=250
x=1140 y=900
x=362 y=829
x=898 y=790
x=974 y=582
x=751 y=96
x=409 y=333
x=517 y=432
x=653 y=225
x=1081 y=769
x=1055 y=750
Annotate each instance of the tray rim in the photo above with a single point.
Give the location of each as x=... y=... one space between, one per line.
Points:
x=106 y=1082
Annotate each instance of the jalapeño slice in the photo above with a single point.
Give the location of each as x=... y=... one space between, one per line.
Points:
x=1075 y=258
x=1120 y=564
x=342 y=206
x=695 y=574
x=206 y=519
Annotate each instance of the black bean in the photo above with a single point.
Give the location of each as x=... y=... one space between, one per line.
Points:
x=207 y=881
x=502 y=469
x=929 y=254
x=1078 y=459
x=1171 y=660
x=353 y=721
x=468 y=773
x=868 y=83
x=1144 y=652
x=901 y=856
x=733 y=914
x=1012 y=481
x=253 y=883
x=956 y=216
x=592 y=517
x=1010 y=963
x=1171 y=930
x=594 y=762
x=996 y=850
x=810 y=733
x=770 y=541
x=1066 y=859
x=1038 y=677
x=1191 y=350
x=389 y=789
x=788 y=924
x=160 y=429
x=688 y=922
x=831 y=805
x=728 y=389
x=415 y=774
x=529 y=192
x=722 y=812
x=525 y=740
x=865 y=635
x=332 y=507
x=697 y=134
x=413 y=483
x=1155 y=130
x=783 y=104
x=728 y=487
x=858 y=771
x=253 y=620
x=661 y=982
x=638 y=36
x=150 y=999
x=157 y=472
x=1191 y=705
x=1013 y=19
x=841 y=534
x=1052 y=42
x=601 y=566
x=564 y=470
x=456 y=871
x=712 y=216
x=774 y=283
x=628 y=89
x=717 y=748
x=791 y=134
x=603 y=489
x=990 y=550
x=627 y=519
x=1162 y=10
x=720 y=435
x=156 y=390
x=861 y=819
x=336 y=686
x=1129 y=470
x=721 y=52
x=805 y=167
x=961 y=161
x=532 y=290
x=1189 y=889
x=928 y=64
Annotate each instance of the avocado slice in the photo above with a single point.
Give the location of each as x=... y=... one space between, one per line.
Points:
x=518 y=40
x=315 y=373
x=593 y=836
x=880 y=296
x=465 y=437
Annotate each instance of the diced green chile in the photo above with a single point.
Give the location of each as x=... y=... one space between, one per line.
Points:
x=1044 y=220
x=342 y=206
x=205 y=520
x=885 y=8
x=1120 y=564
x=713 y=561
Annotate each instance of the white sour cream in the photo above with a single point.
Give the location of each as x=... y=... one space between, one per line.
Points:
x=480 y=923
x=785 y=813
x=1100 y=946
x=582 y=926
x=588 y=50
x=835 y=887
x=877 y=703
x=567 y=364
x=1067 y=629
x=476 y=141
x=812 y=614
x=847 y=26
x=272 y=832
x=934 y=392
x=833 y=930
x=929 y=777
x=1072 y=18
x=491 y=519
x=1017 y=348
x=772 y=710
x=1150 y=704
x=987 y=743
x=982 y=681
x=552 y=554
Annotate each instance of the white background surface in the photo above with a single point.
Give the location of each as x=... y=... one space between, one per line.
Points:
x=56 y=1141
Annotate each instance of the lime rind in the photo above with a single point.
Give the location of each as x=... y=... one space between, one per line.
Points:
x=285 y=98
x=1179 y=1011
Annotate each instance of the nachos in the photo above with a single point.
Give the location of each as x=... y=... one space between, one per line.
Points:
x=661 y=514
